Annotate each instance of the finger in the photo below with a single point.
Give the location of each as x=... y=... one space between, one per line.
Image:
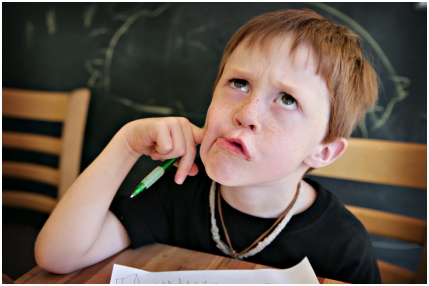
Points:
x=198 y=134
x=186 y=162
x=163 y=141
x=192 y=172
x=173 y=141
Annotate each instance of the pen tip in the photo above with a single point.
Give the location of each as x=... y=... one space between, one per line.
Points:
x=132 y=196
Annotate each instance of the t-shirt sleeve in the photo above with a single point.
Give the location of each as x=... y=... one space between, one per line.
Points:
x=168 y=213
x=344 y=251
x=146 y=217
x=357 y=262
x=362 y=265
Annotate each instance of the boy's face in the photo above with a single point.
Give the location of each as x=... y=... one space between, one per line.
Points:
x=267 y=115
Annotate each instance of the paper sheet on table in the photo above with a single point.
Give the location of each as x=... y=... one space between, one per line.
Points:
x=300 y=273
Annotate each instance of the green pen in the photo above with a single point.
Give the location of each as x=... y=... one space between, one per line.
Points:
x=153 y=176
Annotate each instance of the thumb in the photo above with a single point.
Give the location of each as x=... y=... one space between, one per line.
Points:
x=198 y=134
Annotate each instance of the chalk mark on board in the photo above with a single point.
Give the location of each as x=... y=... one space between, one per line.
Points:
x=177 y=43
x=95 y=73
x=114 y=40
x=104 y=72
x=142 y=107
x=194 y=32
x=51 y=21
x=88 y=15
x=100 y=67
x=29 y=33
x=400 y=83
x=94 y=33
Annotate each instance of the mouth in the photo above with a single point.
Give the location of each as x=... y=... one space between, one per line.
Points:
x=238 y=146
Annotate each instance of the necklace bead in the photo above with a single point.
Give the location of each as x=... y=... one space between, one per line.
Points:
x=261 y=244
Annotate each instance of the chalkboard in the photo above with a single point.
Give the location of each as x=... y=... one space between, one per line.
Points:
x=157 y=59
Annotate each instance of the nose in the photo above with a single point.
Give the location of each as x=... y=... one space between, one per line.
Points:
x=249 y=114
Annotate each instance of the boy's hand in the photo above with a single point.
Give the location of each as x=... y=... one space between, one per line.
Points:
x=166 y=138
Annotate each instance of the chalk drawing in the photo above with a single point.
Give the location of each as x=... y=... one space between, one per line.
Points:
x=88 y=15
x=128 y=23
x=101 y=69
x=379 y=115
x=51 y=21
x=142 y=107
x=29 y=34
x=94 y=72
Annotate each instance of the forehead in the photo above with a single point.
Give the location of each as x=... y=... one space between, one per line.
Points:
x=299 y=57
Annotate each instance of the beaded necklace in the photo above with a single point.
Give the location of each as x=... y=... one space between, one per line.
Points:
x=260 y=245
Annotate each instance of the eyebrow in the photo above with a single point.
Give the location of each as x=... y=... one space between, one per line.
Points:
x=289 y=87
x=235 y=70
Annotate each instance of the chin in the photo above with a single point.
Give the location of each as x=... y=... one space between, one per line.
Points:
x=220 y=171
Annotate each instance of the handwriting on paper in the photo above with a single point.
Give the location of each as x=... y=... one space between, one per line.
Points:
x=300 y=273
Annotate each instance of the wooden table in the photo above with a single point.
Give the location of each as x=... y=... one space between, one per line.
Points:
x=155 y=257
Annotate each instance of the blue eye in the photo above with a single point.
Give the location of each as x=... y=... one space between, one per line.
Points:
x=240 y=84
x=287 y=101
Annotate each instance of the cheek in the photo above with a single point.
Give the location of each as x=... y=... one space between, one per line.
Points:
x=219 y=113
x=286 y=149
x=220 y=106
x=281 y=150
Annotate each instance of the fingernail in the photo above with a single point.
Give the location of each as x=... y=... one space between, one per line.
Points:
x=180 y=180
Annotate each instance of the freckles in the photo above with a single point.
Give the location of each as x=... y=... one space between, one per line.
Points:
x=285 y=142
x=221 y=111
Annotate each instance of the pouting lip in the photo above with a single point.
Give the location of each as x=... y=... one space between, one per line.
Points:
x=243 y=146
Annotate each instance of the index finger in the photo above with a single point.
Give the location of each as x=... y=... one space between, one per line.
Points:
x=186 y=164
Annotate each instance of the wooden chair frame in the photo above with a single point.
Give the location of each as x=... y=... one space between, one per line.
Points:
x=69 y=108
x=389 y=163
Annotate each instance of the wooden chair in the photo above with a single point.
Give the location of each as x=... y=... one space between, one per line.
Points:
x=68 y=108
x=389 y=163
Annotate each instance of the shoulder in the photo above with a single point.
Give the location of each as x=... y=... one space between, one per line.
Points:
x=331 y=211
x=344 y=238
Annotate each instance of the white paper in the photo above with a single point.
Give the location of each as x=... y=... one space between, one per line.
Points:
x=300 y=273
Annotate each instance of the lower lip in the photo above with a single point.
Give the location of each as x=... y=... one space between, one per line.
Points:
x=225 y=144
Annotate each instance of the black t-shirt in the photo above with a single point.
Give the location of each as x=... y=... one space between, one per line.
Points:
x=335 y=242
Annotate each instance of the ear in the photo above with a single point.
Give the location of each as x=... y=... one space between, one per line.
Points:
x=324 y=154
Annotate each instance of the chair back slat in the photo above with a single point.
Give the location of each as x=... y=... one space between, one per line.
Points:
x=45 y=106
x=36 y=202
x=30 y=171
x=32 y=142
x=391 y=225
x=392 y=274
x=380 y=162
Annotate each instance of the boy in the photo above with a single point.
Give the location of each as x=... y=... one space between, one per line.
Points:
x=291 y=87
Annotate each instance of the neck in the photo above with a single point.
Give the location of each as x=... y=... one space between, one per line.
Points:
x=269 y=200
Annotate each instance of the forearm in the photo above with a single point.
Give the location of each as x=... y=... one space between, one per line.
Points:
x=77 y=221
x=81 y=230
